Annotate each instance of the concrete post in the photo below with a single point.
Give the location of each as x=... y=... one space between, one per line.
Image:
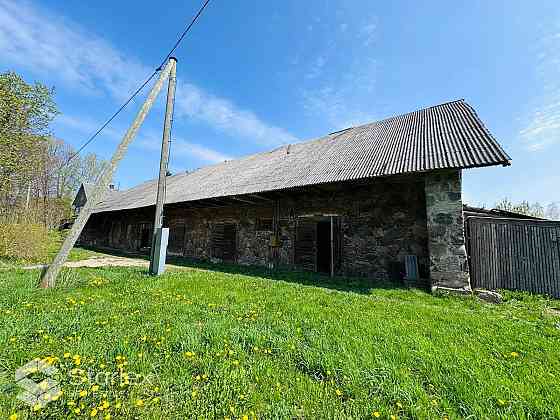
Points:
x=157 y=245
x=446 y=237
x=49 y=277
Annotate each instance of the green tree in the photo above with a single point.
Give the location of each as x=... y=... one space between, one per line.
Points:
x=25 y=113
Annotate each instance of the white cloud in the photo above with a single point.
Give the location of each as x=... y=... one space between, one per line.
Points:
x=342 y=93
x=202 y=153
x=182 y=148
x=222 y=114
x=87 y=126
x=542 y=127
x=49 y=45
x=316 y=67
x=368 y=33
x=346 y=100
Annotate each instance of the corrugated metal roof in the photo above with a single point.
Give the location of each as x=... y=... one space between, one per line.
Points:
x=449 y=135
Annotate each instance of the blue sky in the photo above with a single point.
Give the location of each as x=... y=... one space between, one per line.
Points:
x=255 y=75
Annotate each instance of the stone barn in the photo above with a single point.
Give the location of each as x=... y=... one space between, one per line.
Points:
x=357 y=202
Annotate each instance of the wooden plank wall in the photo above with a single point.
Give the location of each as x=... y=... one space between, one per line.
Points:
x=514 y=254
x=306 y=245
x=224 y=241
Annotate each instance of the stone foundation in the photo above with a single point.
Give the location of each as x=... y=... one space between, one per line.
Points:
x=376 y=223
x=446 y=237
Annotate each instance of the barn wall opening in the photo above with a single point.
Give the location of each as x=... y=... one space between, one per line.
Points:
x=177 y=232
x=324 y=247
x=145 y=235
x=224 y=241
x=313 y=244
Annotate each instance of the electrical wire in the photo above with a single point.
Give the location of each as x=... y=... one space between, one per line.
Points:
x=142 y=86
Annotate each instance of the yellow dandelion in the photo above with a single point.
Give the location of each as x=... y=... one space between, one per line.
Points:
x=393 y=417
x=83 y=393
x=93 y=412
x=189 y=354
x=95 y=388
x=77 y=410
x=118 y=405
x=514 y=354
x=194 y=393
x=245 y=417
x=376 y=414
x=105 y=404
x=13 y=417
x=399 y=404
x=107 y=416
x=338 y=392
x=139 y=403
x=434 y=402
x=236 y=362
x=501 y=402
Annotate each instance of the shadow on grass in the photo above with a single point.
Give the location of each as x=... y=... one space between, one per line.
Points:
x=340 y=283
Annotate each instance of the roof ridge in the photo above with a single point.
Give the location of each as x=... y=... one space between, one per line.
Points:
x=411 y=142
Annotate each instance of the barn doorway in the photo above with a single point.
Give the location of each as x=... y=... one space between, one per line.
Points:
x=324 y=246
x=224 y=242
x=313 y=248
x=145 y=235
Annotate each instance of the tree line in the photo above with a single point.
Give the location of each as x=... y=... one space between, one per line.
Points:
x=37 y=178
x=550 y=211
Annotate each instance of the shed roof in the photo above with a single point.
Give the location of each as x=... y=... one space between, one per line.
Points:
x=449 y=135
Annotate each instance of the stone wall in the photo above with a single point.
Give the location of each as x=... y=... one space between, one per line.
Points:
x=446 y=237
x=378 y=223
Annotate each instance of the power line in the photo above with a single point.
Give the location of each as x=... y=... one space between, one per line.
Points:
x=142 y=86
x=106 y=123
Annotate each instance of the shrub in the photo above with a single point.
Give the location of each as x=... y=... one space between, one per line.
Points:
x=24 y=241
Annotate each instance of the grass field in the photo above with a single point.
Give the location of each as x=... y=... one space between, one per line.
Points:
x=211 y=344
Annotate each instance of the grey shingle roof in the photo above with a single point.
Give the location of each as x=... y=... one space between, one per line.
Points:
x=449 y=135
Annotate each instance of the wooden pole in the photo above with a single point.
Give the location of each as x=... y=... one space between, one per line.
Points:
x=49 y=277
x=164 y=160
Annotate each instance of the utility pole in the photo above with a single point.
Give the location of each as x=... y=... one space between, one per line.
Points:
x=160 y=234
x=101 y=188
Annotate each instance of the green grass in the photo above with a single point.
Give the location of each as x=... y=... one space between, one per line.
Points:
x=225 y=344
x=54 y=242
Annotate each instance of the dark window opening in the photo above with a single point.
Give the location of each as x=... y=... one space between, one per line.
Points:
x=324 y=247
x=176 y=238
x=145 y=236
x=264 y=225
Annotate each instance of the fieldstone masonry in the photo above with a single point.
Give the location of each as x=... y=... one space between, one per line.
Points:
x=446 y=237
x=378 y=223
